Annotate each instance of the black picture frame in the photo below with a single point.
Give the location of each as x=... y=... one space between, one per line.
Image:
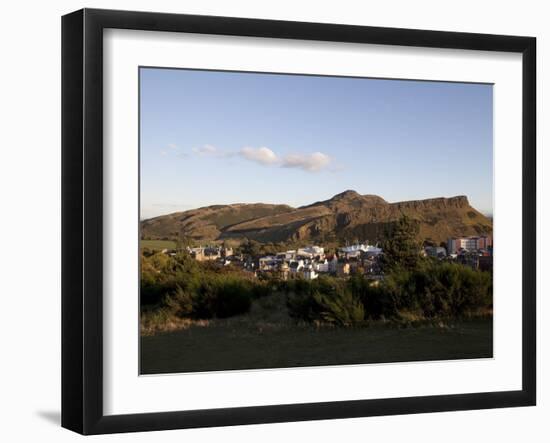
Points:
x=82 y=218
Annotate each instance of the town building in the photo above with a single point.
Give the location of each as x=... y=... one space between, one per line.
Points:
x=342 y=269
x=472 y=243
x=322 y=266
x=310 y=274
x=355 y=251
x=311 y=251
x=284 y=270
x=206 y=253
x=435 y=251
x=332 y=263
x=296 y=266
x=268 y=263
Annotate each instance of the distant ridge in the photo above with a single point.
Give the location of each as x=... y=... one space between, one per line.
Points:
x=347 y=215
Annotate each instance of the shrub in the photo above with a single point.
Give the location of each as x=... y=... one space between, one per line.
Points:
x=440 y=289
x=377 y=300
x=340 y=307
x=196 y=290
x=180 y=302
x=302 y=307
x=233 y=297
x=325 y=299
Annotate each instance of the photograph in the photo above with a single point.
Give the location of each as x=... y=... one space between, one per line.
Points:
x=271 y=222
x=294 y=220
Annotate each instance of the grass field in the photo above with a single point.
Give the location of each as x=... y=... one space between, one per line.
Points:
x=157 y=244
x=256 y=341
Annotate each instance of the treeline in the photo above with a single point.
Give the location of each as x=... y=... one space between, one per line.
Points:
x=432 y=290
x=412 y=287
x=187 y=288
x=180 y=287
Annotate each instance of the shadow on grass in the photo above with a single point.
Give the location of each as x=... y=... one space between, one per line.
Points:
x=234 y=346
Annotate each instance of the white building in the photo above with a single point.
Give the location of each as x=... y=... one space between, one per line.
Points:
x=310 y=274
x=287 y=256
x=312 y=251
x=373 y=251
x=333 y=264
x=268 y=263
x=356 y=250
x=321 y=266
x=296 y=266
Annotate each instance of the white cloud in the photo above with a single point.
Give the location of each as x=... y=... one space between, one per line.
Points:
x=308 y=162
x=263 y=155
x=313 y=162
x=173 y=149
x=207 y=150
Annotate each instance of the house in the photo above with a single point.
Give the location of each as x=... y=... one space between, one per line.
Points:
x=268 y=263
x=321 y=266
x=472 y=243
x=296 y=266
x=284 y=271
x=467 y=258
x=204 y=254
x=435 y=251
x=312 y=251
x=372 y=251
x=226 y=252
x=342 y=269
x=310 y=274
x=355 y=251
x=333 y=264
x=287 y=256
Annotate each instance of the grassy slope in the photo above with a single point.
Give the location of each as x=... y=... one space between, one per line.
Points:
x=268 y=338
x=206 y=223
x=226 y=348
x=157 y=244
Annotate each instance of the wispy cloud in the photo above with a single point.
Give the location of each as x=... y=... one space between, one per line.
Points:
x=173 y=149
x=206 y=150
x=263 y=155
x=308 y=162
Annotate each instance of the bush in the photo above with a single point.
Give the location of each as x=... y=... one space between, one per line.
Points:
x=340 y=307
x=377 y=300
x=302 y=307
x=180 y=302
x=325 y=299
x=222 y=297
x=182 y=288
x=440 y=289
x=189 y=289
x=430 y=290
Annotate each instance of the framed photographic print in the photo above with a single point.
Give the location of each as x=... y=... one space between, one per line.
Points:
x=268 y=221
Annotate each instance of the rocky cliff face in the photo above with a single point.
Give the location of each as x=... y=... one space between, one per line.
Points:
x=458 y=202
x=347 y=215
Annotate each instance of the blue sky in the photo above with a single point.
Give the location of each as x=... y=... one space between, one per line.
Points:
x=221 y=137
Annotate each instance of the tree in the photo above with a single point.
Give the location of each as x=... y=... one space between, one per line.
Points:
x=183 y=241
x=401 y=247
x=267 y=249
x=251 y=248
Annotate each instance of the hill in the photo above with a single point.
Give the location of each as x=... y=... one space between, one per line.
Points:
x=206 y=223
x=346 y=216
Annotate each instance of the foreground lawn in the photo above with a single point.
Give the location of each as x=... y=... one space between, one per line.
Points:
x=226 y=345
